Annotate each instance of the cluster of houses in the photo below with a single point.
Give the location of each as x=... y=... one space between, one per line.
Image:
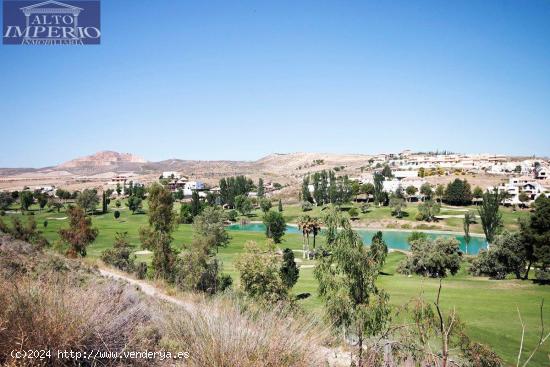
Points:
x=47 y=190
x=490 y=163
x=532 y=181
x=176 y=182
x=521 y=191
x=400 y=180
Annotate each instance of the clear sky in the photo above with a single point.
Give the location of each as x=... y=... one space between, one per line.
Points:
x=241 y=79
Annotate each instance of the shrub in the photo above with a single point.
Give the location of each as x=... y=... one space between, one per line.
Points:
x=120 y=255
x=479 y=355
x=45 y=224
x=56 y=313
x=210 y=225
x=433 y=258
x=275 y=225
x=415 y=236
x=260 y=274
x=116 y=214
x=428 y=210
x=365 y=208
x=504 y=257
x=24 y=230
x=225 y=282
x=120 y=258
x=141 y=270
x=542 y=275
x=397 y=204
x=265 y=205
x=306 y=206
x=185 y=217
x=243 y=204
x=232 y=215
x=196 y=269
x=134 y=203
x=226 y=332
x=353 y=213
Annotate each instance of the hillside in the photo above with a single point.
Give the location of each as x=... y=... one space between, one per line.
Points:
x=95 y=170
x=42 y=308
x=285 y=168
x=102 y=162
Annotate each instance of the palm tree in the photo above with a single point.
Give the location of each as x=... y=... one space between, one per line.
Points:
x=304 y=226
x=315 y=228
x=469 y=218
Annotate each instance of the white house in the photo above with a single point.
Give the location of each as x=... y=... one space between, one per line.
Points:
x=191 y=186
x=541 y=173
x=194 y=185
x=404 y=174
x=391 y=185
x=48 y=190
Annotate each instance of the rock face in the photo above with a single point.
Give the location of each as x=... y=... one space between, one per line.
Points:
x=102 y=159
x=101 y=162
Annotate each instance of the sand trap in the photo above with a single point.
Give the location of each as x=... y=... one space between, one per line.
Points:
x=143 y=252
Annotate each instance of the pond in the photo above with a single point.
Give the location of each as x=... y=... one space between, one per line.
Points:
x=396 y=240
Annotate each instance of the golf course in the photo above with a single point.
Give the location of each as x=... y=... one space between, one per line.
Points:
x=489 y=308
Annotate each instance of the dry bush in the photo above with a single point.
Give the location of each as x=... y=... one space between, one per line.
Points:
x=52 y=313
x=48 y=302
x=221 y=332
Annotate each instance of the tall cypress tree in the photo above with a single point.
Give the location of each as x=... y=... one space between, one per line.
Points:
x=289 y=271
x=306 y=195
x=378 y=188
x=261 y=189
x=104 y=202
x=491 y=218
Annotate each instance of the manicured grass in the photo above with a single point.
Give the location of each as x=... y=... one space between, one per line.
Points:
x=487 y=307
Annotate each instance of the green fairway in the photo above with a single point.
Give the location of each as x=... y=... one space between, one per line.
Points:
x=487 y=307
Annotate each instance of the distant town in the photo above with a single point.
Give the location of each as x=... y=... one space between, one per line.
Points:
x=522 y=179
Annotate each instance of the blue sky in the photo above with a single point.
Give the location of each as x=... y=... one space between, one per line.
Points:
x=241 y=79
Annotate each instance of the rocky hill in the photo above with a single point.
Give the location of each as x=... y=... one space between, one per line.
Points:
x=104 y=161
x=95 y=170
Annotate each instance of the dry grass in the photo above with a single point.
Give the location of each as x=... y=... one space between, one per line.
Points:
x=48 y=302
x=52 y=313
x=223 y=332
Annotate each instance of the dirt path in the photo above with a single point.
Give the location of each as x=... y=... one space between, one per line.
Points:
x=148 y=289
